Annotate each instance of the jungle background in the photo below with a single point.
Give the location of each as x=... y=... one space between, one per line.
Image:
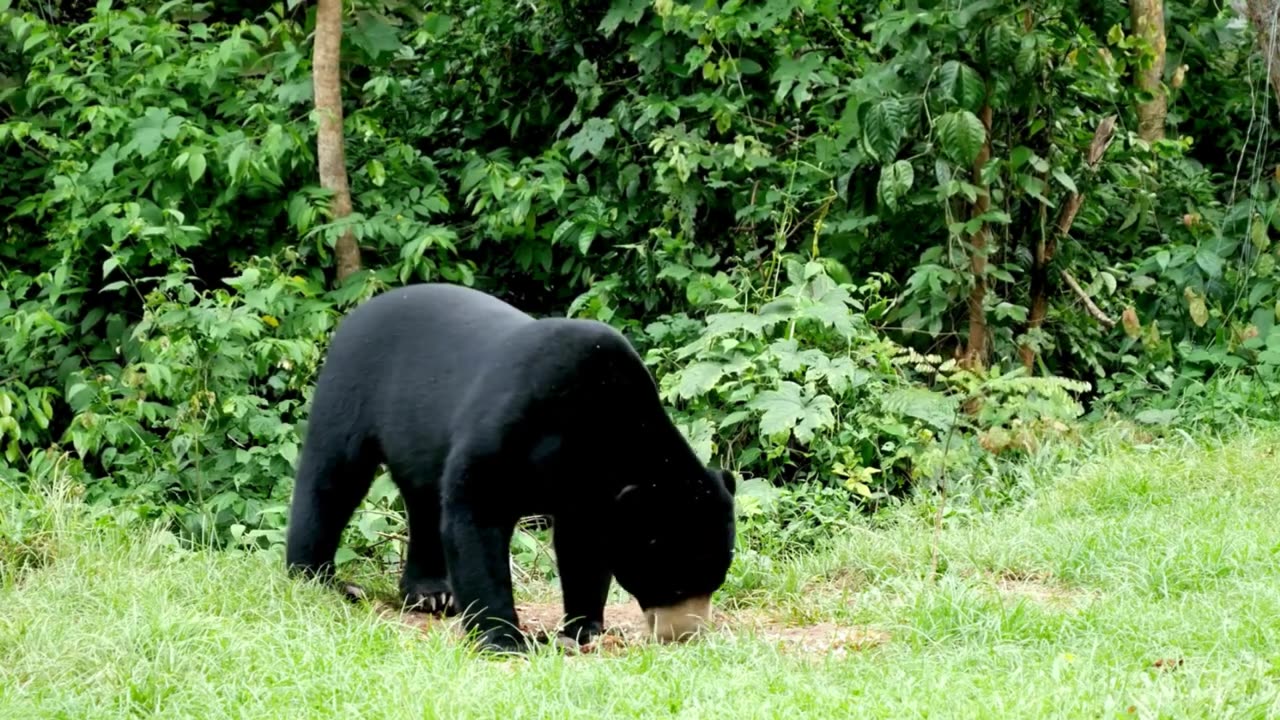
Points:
x=868 y=250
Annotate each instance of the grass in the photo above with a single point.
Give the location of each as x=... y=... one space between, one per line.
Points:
x=1143 y=583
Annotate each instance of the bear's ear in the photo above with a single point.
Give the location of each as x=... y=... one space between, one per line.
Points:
x=729 y=481
x=631 y=497
x=626 y=492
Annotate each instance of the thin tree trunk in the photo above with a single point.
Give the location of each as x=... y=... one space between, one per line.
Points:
x=975 y=355
x=1041 y=254
x=1262 y=15
x=330 y=153
x=1047 y=244
x=1148 y=23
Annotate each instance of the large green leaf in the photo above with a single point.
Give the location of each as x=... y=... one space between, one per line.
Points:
x=372 y=33
x=732 y=322
x=840 y=374
x=591 y=138
x=885 y=127
x=962 y=85
x=962 y=136
x=621 y=11
x=794 y=76
x=698 y=379
x=895 y=181
x=788 y=410
x=151 y=130
x=928 y=406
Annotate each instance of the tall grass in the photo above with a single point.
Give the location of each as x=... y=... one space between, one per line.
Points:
x=1143 y=583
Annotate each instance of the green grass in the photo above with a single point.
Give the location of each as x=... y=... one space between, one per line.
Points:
x=1055 y=607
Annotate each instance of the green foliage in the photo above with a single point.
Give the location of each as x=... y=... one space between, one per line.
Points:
x=798 y=388
x=774 y=200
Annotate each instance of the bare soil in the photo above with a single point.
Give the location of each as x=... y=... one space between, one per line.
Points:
x=809 y=636
x=625 y=629
x=1039 y=588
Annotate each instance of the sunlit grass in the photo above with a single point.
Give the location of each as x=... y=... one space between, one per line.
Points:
x=1143 y=583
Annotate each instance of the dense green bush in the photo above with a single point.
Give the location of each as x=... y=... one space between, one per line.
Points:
x=778 y=202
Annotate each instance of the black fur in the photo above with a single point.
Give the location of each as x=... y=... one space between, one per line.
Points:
x=485 y=415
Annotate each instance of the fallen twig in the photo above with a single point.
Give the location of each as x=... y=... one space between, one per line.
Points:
x=1089 y=305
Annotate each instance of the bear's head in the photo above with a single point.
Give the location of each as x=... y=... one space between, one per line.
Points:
x=673 y=546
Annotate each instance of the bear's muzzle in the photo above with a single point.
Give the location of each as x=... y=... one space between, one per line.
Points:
x=679 y=622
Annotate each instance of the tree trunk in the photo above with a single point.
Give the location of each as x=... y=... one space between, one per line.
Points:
x=1148 y=23
x=1046 y=247
x=975 y=355
x=330 y=153
x=1263 y=16
x=1042 y=251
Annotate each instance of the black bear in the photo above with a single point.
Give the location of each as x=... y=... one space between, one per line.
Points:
x=485 y=415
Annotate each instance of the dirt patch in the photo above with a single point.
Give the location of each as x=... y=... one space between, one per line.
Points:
x=818 y=639
x=836 y=584
x=1038 y=588
x=625 y=629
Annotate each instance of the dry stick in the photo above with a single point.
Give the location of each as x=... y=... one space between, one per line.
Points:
x=1097 y=147
x=1089 y=305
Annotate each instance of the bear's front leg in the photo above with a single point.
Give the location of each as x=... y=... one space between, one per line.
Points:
x=424 y=585
x=584 y=577
x=478 y=553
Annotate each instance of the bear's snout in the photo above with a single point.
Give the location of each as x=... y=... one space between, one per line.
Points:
x=681 y=621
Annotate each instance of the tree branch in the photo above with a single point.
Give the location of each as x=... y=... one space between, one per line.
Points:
x=1047 y=245
x=1089 y=305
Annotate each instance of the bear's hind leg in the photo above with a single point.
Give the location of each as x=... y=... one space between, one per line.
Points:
x=424 y=585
